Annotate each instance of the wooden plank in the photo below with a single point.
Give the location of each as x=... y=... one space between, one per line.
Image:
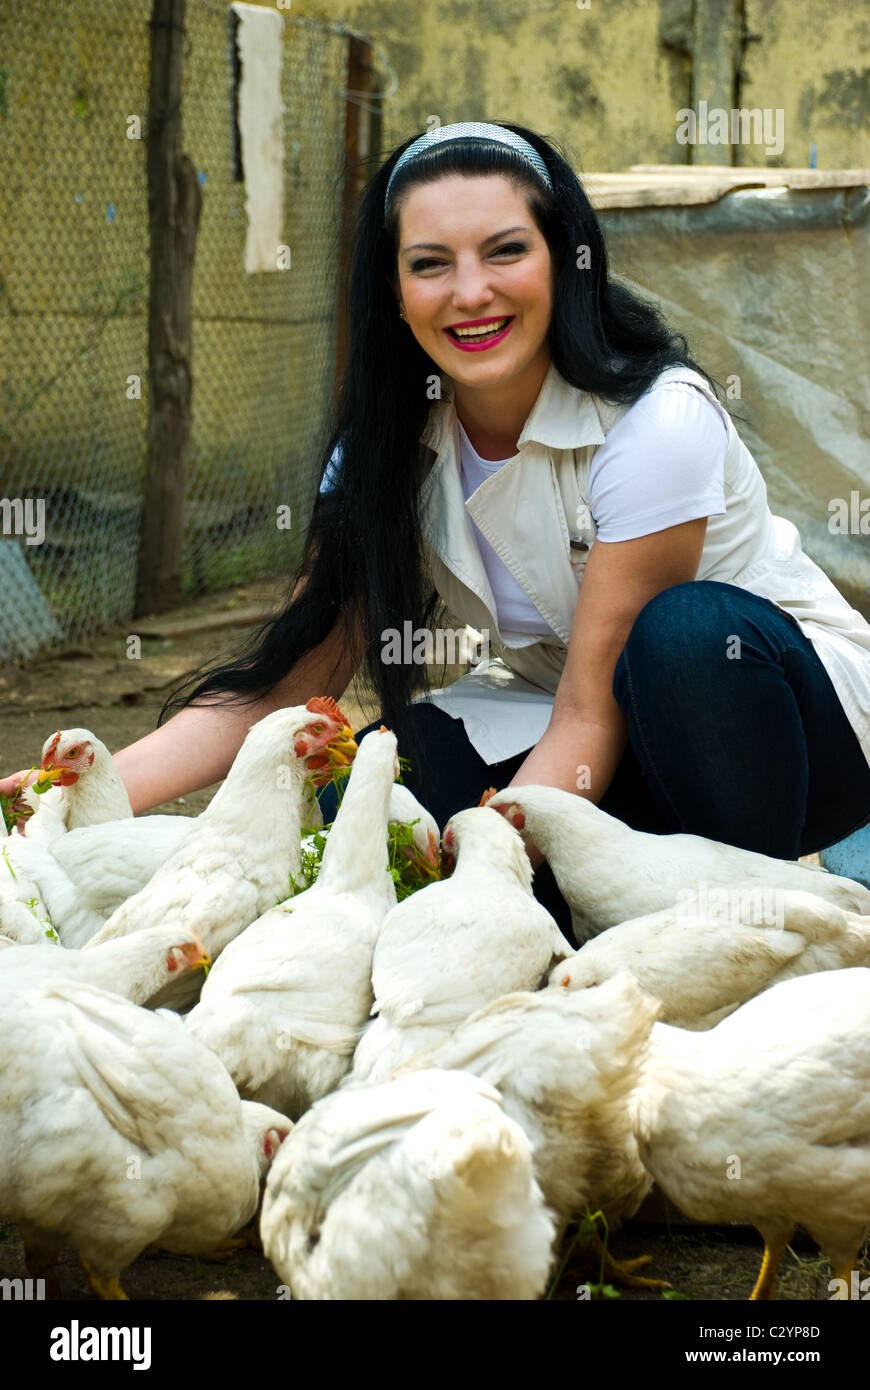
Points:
x=682 y=185
x=796 y=177
x=168 y=625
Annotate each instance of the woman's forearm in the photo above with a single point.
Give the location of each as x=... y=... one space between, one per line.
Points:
x=575 y=754
x=193 y=749
x=197 y=746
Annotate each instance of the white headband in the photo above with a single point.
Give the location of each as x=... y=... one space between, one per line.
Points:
x=476 y=130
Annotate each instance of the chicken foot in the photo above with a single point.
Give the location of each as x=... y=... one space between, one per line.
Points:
x=623 y=1271
x=105 y=1287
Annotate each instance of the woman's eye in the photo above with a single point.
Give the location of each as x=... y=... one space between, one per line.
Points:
x=512 y=248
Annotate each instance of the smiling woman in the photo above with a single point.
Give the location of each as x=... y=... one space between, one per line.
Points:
x=521 y=437
x=501 y=285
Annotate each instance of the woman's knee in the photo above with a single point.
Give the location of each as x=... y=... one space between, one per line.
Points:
x=680 y=627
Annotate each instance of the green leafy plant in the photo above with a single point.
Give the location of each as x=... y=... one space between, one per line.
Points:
x=406 y=871
x=43 y=921
x=15 y=808
x=587 y=1230
x=311 y=860
x=4 y=855
x=407 y=874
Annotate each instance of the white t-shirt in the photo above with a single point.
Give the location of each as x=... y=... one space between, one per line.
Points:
x=661 y=464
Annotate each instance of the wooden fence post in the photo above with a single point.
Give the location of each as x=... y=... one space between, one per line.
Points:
x=174 y=205
x=357 y=149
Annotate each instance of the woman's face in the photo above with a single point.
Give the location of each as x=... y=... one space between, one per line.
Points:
x=470 y=250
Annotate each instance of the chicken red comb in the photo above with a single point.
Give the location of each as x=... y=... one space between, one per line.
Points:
x=324 y=704
x=50 y=750
x=490 y=791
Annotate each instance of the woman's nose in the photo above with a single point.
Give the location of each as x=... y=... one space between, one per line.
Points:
x=471 y=287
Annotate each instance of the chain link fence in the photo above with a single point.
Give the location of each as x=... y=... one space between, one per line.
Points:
x=74 y=262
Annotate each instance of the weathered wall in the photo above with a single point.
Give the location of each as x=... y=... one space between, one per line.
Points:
x=608 y=80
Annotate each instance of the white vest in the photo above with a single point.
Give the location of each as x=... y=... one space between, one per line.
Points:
x=532 y=509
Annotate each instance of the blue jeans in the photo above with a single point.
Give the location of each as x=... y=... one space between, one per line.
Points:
x=735 y=732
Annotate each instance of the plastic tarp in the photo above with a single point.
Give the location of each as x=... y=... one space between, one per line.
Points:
x=772 y=286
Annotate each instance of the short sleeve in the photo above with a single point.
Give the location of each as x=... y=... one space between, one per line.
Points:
x=330 y=473
x=662 y=464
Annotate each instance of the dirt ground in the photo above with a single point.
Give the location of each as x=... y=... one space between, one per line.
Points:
x=100 y=688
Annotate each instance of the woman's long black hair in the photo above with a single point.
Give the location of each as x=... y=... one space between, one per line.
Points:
x=364 y=551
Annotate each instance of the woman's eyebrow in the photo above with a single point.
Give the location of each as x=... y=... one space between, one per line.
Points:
x=437 y=246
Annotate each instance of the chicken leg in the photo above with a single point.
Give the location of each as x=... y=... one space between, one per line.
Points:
x=41 y=1263
x=105 y=1287
x=774 y=1248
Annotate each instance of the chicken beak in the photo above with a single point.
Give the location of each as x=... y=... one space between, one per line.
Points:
x=197 y=956
x=343 y=748
x=50 y=775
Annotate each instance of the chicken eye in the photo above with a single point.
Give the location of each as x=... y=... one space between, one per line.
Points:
x=318 y=728
x=73 y=752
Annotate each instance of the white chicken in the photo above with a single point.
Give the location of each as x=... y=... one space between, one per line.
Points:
x=456 y=945
x=418 y=1189
x=702 y=968
x=284 y=1006
x=23 y=916
x=118 y=1130
x=87 y=788
x=565 y=1065
x=405 y=809
x=235 y=863
x=136 y=966
x=608 y=873
x=84 y=876
x=766 y=1117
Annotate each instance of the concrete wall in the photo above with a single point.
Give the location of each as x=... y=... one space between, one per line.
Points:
x=608 y=80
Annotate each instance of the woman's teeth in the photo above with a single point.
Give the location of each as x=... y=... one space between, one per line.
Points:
x=477 y=335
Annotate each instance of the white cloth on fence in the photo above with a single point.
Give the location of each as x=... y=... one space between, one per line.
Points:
x=261 y=128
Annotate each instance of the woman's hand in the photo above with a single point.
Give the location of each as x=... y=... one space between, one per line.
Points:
x=10 y=785
x=11 y=788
